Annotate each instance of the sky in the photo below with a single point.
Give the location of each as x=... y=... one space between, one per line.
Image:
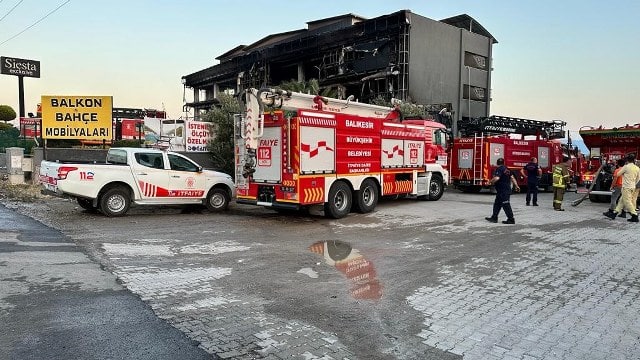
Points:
x=576 y=61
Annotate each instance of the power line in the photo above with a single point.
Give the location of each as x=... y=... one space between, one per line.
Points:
x=35 y=23
x=13 y=8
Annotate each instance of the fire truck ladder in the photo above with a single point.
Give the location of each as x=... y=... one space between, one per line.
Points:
x=478 y=160
x=495 y=124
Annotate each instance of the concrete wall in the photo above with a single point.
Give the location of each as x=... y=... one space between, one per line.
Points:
x=15 y=166
x=436 y=66
x=434 y=63
x=479 y=45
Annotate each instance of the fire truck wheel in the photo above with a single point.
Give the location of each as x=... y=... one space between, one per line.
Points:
x=339 y=203
x=217 y=200
x=115 y=202
x=86 y=204
x=436 y=187
x=367 y=197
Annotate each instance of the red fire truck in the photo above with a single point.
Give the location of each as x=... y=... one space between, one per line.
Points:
x=606 y=146
x=579 y=165
x=295 y=151
x=474 y=155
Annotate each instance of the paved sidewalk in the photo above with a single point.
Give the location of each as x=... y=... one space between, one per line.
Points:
x=411 y=281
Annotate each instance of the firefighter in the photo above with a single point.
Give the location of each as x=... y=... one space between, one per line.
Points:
x=502 y=180
x=616 y=190
x=560 y=182
x=630 y=177
x=532 y=172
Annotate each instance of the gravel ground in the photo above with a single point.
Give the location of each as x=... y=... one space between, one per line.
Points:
x=25 y=193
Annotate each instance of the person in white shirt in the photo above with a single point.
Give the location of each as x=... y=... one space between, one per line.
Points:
x=630 y=176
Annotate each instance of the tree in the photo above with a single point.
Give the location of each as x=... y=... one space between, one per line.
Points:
x=221 y=145
x=8 y=128
x=309 y=87
x=408 y=109
x=7 y=113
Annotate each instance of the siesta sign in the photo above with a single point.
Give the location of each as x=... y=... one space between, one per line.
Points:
x=19 y=67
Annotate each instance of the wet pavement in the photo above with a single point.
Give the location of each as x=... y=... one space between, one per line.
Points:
x=413 y=280
x=55 y=303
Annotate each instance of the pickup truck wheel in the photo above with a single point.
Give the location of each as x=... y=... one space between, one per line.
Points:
x=217 y=200
x=86 y=204
x=339 y=202
x=115 y=202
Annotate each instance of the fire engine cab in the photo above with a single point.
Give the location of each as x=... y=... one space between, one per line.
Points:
x=484 y=140
x=606 y=146
x=295 y=151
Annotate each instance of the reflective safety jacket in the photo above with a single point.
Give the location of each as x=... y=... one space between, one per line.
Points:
x=560 y=175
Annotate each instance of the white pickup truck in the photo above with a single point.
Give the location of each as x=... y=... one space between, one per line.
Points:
x=139 y=176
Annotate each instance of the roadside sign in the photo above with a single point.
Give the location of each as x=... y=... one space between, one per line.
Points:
x=77 y=117
x=198 y=136
x=19 y=67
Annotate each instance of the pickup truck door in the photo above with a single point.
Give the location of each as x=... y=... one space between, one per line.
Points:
x=186 y=180
x=151 y=176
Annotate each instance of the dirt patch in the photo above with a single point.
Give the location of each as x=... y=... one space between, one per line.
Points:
x=21 y=192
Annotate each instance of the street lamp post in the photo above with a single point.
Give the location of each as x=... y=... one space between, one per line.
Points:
x=139 y=126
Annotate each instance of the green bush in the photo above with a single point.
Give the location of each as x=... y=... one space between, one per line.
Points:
x=7 y=113
x=63 y=143
x=10 y=137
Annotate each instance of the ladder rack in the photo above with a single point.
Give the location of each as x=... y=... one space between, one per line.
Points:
x=495 y=124
x=478 y=158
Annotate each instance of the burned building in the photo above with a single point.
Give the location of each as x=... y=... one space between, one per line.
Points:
x=400 y=55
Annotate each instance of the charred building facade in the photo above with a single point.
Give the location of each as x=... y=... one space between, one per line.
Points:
x=400 y=55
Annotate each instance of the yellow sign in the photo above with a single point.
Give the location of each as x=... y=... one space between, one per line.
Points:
x=77 y=117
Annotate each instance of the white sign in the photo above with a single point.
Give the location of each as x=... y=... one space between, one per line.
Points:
x=166 y=130
x=16 y=162
x=198 y=136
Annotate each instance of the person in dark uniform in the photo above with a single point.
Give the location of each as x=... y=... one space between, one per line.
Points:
x=532 y=172
x=502 y=180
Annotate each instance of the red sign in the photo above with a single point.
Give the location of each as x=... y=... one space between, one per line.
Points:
x=264 y=156
x=30 y=127
x=132 y=128
x=413 y=156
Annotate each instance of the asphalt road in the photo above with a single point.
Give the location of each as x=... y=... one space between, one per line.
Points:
x=412 y=280
x=55 y=303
